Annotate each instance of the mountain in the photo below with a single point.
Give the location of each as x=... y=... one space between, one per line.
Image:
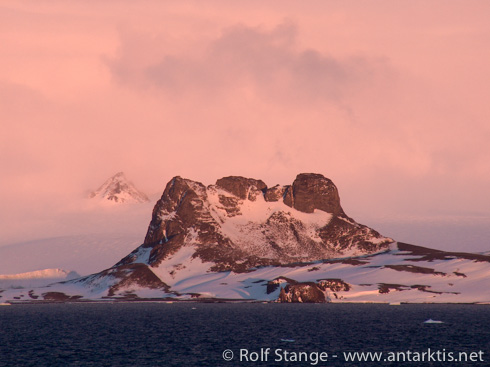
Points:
x=118 y=189
x=239 y=223
x=242 y=240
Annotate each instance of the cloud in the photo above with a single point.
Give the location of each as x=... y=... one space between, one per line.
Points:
x=265 y=63
x=388 y=101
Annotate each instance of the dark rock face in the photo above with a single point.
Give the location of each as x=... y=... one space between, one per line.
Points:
x=242 y=187
x=307 y=292
x=182 y=208
x=431 y=254
x=137 y=275
x=309 y=191
x=182 y=197
x=59 y=297
x=312 y=191
x=275 y=193
x=335 y=285
x=343 y=232
x=272 y=285
x=124 y=277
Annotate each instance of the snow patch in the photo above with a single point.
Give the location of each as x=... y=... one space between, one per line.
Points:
x=181 y=265
x=249 y=231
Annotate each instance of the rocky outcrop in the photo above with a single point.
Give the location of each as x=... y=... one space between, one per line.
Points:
x=275 y=193
x=242 y=187
x=122 y=278
x=312 y=191
x=58 y=297
x=343 y=233
x=307 y=292
x=292 y=291
x=334 y=285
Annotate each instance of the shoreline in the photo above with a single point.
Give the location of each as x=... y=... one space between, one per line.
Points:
x=219 y=300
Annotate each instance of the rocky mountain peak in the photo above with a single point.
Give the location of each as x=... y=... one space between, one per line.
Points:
x=118 y=189
x=239 y=223
x=308 y=192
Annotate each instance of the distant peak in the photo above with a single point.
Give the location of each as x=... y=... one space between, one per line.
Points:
x=118 y=189
x=119 y=175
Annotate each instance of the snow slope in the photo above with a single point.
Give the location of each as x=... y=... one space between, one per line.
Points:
x=397 y=275
x=404 y=273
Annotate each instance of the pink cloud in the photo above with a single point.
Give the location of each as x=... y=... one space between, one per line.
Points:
x=266 y=62
x=388 y=101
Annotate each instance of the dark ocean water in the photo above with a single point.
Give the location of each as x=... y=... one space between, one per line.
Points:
x=194 y=334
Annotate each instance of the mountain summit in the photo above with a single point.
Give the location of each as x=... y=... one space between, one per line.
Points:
x=118 y=189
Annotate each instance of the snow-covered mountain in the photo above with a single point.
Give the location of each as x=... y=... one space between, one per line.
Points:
x=241 y=240
x=239 y=223
x=118 y=189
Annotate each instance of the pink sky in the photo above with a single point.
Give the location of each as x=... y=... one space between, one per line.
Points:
x=388 y=99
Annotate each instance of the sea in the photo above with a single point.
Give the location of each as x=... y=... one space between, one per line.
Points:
x=244 y=334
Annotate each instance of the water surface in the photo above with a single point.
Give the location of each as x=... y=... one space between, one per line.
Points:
x=197 y=334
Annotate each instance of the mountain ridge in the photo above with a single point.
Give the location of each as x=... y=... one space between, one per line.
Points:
x=241 y=240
